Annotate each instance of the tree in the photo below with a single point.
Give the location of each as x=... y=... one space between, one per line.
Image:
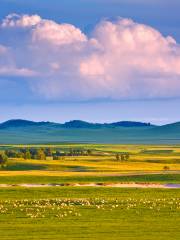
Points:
x=71 y=152
x=27 y=154
x=89 y=152
x=166 y=168
x=58 y=153
x=10 y=153
x=33 y=152
x=117 y=157
x=122 y=157
x=20 y=155
x=48 y=152
x=3 y=160
x=126 y=156
x=55 y=157
x=41 y=155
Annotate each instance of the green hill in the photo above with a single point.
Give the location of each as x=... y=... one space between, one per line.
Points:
x=27 y=132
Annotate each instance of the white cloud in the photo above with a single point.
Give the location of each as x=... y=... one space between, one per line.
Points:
x=57 y=34
x=121 y=60
x=15 y=20
x=136 y=59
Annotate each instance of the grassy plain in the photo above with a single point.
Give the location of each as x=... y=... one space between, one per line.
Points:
x=92 y=212
x=89 y=213
x=101 y=166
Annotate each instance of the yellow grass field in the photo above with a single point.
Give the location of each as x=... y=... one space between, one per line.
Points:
x=144 y=159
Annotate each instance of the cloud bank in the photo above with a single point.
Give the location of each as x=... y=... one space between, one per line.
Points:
x=119 y=60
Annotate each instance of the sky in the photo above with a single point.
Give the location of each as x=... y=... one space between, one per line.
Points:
x=94 y=60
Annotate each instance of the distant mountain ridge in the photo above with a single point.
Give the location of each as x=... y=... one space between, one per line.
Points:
x=71 y=124
x=20 y=131
x=21 y=123
x=83 y=124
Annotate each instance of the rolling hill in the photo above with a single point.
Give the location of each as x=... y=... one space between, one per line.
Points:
x=29 y=132
x=14 y=123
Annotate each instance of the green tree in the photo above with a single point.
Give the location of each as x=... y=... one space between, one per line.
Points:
x=71 y=152
x=48 y=152
x=122 y=157
x=58 y=153
x=41 y=155
x=117 y=157
x=126 y=156
x=89 y=152
x=33 y=152
x=3 y=160
x=27 y=154
x=55 y=157
x=10 y=153
x=20 y=155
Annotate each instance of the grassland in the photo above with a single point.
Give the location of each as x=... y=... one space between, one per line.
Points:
x=37 y=179
x=101 y=166
x=89 y=213
x=96 y=212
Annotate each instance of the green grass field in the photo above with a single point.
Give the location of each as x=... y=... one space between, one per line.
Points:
x=89 y=213
x=101 y=166
x=37 y=179
x=92 y=212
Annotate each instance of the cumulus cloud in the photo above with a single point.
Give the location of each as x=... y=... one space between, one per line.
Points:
x=120 y=60
x=57 y=34
x=15 y=20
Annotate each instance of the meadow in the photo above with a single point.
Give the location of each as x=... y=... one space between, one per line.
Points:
x=69 y=212
x=89 y=213
x=146 y=163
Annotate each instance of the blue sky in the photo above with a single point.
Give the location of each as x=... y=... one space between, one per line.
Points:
x=163 y=15
x=21 y=98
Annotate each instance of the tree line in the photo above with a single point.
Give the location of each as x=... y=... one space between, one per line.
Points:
x=50 y=154
x=43 y=153
x=122 y=157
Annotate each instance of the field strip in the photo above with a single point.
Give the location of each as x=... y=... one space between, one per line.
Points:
x=62 y=173
x=113 y=185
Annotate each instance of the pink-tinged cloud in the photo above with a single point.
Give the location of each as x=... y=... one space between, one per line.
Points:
x=15 y=20
x=121 y=60
x=17 y=72
x=57 y=34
